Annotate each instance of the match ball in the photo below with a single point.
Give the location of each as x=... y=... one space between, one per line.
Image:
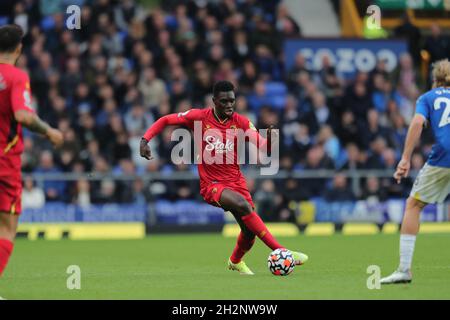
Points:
x=281 y=262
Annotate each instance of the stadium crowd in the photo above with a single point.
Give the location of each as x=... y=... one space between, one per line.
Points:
x=104 y=84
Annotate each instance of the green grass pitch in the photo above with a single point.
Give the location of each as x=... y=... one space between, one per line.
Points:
x=194 y=267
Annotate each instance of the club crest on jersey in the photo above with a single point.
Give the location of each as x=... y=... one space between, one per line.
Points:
x=216 y=144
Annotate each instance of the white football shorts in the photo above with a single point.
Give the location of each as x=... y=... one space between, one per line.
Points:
x=432 y=184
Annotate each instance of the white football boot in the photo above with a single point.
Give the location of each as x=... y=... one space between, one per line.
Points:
x=397 y=277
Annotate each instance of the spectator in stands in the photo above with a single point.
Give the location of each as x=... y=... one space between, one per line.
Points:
x=32 y=196
x=405 y=75
x=124 y=191
x=316 y=158
x=106 y=192
x=102 y=189
x=372 y=191
x=265 y=201
x=349 y=130
x=152 y=89
x=249 y=76
x=382 y=92
x=437 y=44
x=30 y=156
x=295 y=190
x=339 y=190
x=330 y=142
x=54 y=190
x=353 y=158
x=398 y=134
x=389 y=159
x=240 y=50
x=374 y=129
x=375 y=159
x=298 y=68
x=328 y=78
x=285 y=24
x=139 y=193
x=358 y=101
x=202 y=82
x=121 y=150
x=82 y=196
x=408 y=31
x=320 y=114
x=302 y=142
x=289 y=121
x=258 y=97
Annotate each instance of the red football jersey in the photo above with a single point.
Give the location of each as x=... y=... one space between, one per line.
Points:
x=218 y=160
x=15 y=95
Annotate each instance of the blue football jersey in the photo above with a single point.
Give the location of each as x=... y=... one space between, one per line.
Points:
x=435 y=107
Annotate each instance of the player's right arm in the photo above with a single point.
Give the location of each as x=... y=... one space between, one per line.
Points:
x=182 y=118
x=25 y=115
x=412 y=138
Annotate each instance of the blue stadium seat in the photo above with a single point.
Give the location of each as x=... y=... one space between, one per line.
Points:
x=4 y=20
x=275 y=88
x=47 y=23
x=278 y=102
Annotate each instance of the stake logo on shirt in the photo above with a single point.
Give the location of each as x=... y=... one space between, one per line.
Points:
x=218 y=145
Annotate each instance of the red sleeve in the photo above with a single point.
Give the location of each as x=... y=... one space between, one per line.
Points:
x=183 y=118
x=21 y=93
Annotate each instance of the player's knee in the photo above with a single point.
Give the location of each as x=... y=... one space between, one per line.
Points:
x=413 y=203
x=8 y=228
x=243 y=207
x=7 y=233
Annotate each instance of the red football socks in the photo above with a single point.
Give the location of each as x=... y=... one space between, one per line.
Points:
x=257 y=226
x=6 y=248
x=243 y=245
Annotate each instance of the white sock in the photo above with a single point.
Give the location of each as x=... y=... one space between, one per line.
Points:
x=407 y=242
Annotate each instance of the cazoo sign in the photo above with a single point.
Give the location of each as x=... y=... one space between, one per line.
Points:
x=348 y=56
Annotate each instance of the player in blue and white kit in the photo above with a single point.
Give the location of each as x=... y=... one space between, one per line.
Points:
x=433 y=182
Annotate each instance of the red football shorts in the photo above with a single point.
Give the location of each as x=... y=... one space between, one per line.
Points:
x=10 y=184
x=212 y=191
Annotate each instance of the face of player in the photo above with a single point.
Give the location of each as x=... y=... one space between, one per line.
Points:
x=225 y=104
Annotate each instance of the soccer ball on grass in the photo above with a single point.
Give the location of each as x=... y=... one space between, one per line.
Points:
x=281 y=262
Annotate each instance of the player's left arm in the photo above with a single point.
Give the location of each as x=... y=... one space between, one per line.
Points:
x=24 y=113
x=412 y=138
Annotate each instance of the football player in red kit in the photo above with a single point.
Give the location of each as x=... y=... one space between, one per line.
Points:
x=15 y=112
x=221 y=182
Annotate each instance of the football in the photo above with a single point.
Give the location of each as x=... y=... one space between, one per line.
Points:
x=281 y=262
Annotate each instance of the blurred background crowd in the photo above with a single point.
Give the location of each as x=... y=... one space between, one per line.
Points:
x=104 y=84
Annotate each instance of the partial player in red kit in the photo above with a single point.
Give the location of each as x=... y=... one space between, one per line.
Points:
x=221 y=182
x=15 y=112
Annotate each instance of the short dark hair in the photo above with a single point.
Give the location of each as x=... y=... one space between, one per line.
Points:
x=222 y=86
x=10 y=37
